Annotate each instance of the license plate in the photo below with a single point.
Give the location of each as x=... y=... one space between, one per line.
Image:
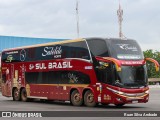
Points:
x=135 y=101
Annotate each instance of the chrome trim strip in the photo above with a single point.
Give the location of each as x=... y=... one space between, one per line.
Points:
x=79 y=59
x=37 y=97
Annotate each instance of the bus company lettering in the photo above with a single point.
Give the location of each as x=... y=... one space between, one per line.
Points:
x=59 y=65
x=52 y=65
x=40 y=66
x=55 y=51
x=127 y=47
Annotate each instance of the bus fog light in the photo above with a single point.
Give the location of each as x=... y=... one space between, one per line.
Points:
x=119 y=99
x=147 y=98
x=121 y=93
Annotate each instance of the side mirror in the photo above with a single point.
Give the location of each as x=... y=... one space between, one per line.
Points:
x=155 y=63
x=109 y=59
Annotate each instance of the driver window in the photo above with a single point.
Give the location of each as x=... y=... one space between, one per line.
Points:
x=105 y=74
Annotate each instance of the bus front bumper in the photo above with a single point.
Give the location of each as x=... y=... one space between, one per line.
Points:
x=118 y=97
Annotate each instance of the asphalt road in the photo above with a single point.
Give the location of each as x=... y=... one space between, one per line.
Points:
x=6 y=104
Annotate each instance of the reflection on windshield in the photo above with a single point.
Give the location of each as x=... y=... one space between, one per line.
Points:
x=129 y=77
x=133 y=76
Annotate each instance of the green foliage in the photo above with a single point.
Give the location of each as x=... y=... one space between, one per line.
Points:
x=150 y=66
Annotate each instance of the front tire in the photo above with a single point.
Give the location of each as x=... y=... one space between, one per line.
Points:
x=76 y=99
x=16 y=94
x=23 y=95
x=119 y=105
x=89 y=99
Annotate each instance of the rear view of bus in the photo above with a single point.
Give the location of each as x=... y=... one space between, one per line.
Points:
x=121 y=71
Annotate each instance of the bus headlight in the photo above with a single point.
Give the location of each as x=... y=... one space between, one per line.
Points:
x=147 y=92
x=121 y=93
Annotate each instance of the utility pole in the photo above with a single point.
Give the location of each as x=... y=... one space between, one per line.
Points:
x=120 y=19
x=77 y=17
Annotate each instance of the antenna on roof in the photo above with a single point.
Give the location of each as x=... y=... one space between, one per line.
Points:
x=120 y=19
x=77 y=17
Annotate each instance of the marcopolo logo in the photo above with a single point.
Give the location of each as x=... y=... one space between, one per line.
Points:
x=128 y=47
x=55 y=51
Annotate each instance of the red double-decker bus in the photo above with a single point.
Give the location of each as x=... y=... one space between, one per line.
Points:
x=89 y=71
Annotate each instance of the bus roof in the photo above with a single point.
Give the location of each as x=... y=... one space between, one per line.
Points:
x=63 y=42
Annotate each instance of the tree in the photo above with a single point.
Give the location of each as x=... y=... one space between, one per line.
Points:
x=151 y=70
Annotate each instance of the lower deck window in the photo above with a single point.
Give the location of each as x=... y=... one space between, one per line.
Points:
x=57 y=77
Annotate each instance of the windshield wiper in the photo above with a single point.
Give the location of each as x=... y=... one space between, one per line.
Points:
x=132 y=85
x=119 y=84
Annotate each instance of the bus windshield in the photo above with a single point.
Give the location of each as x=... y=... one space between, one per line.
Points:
x=132 y=76
x=129 y=77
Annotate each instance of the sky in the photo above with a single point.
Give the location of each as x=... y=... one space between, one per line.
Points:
x=97 y=18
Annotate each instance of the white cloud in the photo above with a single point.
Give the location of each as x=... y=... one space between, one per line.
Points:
x=57 y=19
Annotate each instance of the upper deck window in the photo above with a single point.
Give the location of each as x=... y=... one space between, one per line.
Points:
x=125 y=49
x=76 y=50
x=116 y=48
x=98 y=47
x=49 y=52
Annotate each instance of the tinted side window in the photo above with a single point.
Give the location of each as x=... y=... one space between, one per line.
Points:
x=57 y=77
x=76 y=50
x=98 y=47
x=53 y=77
x=42 y=77
x=59 y=51
x=74 y=77
x=106 y=75
x=31 y=53
x=31 y=77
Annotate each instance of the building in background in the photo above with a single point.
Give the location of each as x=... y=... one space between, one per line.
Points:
x=12 y=41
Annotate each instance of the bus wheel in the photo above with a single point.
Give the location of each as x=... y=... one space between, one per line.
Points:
x=23 y=95
x=119 y=105
x=89 y=99
x=76 y=99
x=16 y=94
